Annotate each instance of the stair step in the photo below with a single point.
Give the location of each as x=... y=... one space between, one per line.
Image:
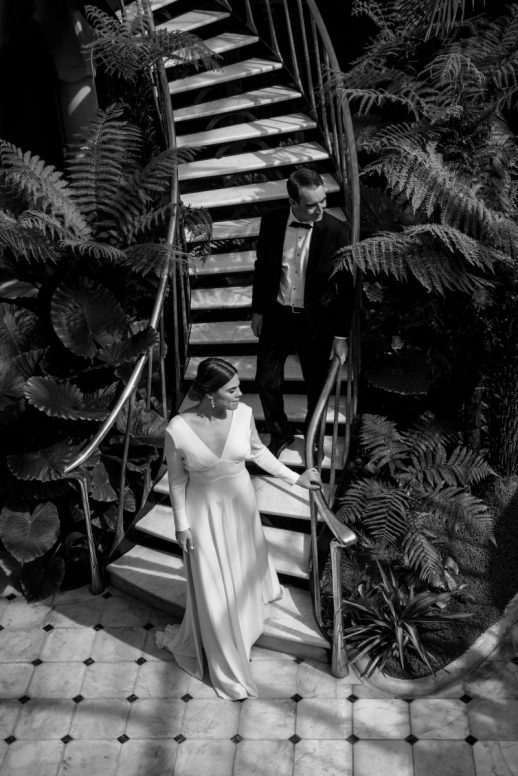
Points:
x=221 y=298
x=289 y=549
x=156 y=5
x=219 y=44
x=275 y=497
x=302 y=153
x=222 y=332
x=256 y=98
x=248 y=194
x=232 y=229
x=223 y=263
x=159 y=579
x=246 y=367
x=245 y=69
x=278 y=125
x=294 y=454
x=192 y=20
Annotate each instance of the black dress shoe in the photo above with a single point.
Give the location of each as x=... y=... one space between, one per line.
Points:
x=279 y=443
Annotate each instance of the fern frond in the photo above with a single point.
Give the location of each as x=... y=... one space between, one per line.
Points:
x=42 y=187
x=385 y=514
x=25 y=240
x=110 y=147
x=140 y=224
x=146 y=258
x=467 y=467
x=457 y=506
x=422 y=556
x=381 y=441
x=97 y=250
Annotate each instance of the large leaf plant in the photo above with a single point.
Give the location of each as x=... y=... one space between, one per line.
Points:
x=81 y=253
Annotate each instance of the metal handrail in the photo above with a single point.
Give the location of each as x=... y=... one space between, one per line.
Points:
x=304 y=46
x=165 y=111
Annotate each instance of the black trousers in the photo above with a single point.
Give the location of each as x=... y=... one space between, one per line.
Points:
x=285 y=332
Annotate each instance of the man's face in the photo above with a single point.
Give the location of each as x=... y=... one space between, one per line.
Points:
x=311 y=204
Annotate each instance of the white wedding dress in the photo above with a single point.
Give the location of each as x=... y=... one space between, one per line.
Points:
x=230 y=575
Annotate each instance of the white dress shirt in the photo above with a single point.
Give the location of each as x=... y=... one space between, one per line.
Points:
x=295 y=252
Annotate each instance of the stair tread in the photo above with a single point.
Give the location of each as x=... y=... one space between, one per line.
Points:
x=289 y=549
x=156 y=5
x=300 y=153
x=231 y=229
x=219 y=44
x=243 y=69
x=217 y=263
x=216 y=298
x=246 y=367
x=237 y=102
x=277 y=125
x=248 y=193
x=192 y=20
x=221 y=332
x=159 y=578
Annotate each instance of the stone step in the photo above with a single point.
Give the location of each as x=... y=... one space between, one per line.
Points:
x=252 y=193
x=192 y=20
x=159 y=579
x=247 y=101
x=246 y=367
x=289 y=549
x=302 y=153
x=221 y=298
x=222 y=332
x=251 y=130
x=245 y=69
x=223 y=263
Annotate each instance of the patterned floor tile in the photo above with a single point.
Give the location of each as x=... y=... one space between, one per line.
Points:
x=493 y=720
x=447 y=758
x=156 y=718
x=21 y=757
x=57 y=680
x=496 y=758
x=387 y=758
x=121 y=611
x=323 y=758
x=380 y=718
x=275 y=679
x=324 y=718
x=161 y=680
x=20 y=614
x=263 y=758
x=14 y=679
x=314 y=679
x=115 y=644
x=9 y=713
x=211 y=719
x=90 y=758
x=193 y=758
x=45 y=719
x=439 y=718
x=147 y=758
x=110 y=680
x=21 y=645
x=269 y=719
x=68 y=614
x=67 y=644
x=100 y=718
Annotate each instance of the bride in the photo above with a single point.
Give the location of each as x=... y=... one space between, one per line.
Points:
x=230 y=575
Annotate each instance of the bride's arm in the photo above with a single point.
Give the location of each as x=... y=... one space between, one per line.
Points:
x=264 y=458
x=177 y=477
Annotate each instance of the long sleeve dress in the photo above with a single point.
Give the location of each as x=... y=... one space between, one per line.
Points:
x=230 y=575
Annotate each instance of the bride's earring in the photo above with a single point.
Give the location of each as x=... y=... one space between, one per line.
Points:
x=211 y=399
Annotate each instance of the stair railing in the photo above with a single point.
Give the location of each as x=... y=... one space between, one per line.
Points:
x=173 y=282
x=297 y=35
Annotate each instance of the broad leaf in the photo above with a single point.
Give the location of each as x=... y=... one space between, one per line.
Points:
x=28 y=536
x=65 y=400
x=100 y=486
x=130 y=349
x=19 y=331
x=147 y=426
x=46 y=464
x=42 y=578
x=86 y=316
x=11 y=385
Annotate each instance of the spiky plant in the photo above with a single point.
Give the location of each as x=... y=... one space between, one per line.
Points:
x=433 y=95
x=414 y=492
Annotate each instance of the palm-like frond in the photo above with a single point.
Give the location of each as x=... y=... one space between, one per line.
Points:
x=423 y=556
x=99 y=166
x=43 y=188
x=381 y=441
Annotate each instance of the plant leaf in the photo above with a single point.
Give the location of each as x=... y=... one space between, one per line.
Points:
x=28 y=536
x=86 y=316
x=43 y=465
x=42 y=578
x=65 y=400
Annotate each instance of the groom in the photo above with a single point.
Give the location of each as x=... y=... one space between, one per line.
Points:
x=296 y=304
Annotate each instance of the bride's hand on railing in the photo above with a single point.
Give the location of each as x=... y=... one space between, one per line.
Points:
x=310 y=479
x=184 y=539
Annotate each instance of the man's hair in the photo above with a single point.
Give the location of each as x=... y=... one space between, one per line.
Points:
x=303 y=179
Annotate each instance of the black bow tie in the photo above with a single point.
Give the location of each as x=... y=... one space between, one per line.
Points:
x=301 y=225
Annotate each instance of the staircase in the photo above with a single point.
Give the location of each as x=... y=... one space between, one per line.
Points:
x=251 y=127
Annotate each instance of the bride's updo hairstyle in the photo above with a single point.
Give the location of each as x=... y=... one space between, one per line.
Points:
x=212 y=374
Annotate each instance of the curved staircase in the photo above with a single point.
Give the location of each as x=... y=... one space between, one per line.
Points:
x=251 y=127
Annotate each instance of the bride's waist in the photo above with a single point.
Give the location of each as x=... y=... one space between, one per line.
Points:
x=228 y=471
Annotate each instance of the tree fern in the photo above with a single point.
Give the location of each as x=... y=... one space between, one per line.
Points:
x=381 y=441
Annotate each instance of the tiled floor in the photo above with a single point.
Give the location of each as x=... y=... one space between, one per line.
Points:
x=85 y=692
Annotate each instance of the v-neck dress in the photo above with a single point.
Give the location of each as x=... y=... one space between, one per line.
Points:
x=230 y=575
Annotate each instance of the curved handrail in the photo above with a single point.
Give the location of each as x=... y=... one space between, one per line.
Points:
x=165 y=112
x=340 y=531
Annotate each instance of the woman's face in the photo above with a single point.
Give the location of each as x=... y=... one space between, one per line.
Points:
x=227 y=397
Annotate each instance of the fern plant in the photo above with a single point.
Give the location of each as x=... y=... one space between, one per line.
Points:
x=433 y=96
x=413 y=492
x=81 y=254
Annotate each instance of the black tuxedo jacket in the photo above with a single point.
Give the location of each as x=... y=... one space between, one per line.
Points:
x=327 y=300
